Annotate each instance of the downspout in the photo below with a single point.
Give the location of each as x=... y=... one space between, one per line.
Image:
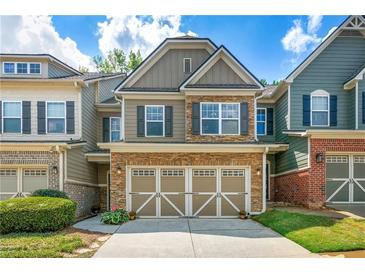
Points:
x=264 y=162
x=122 y=114
x=357 y=105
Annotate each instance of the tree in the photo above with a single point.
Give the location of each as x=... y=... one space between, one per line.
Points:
x=116 y=61
x=264 y=82
x=83 y=69
x=276 y=82
x=134 y=60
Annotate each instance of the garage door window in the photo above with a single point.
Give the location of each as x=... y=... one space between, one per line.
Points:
x=143 y=172
x=204 y=173
x=359 y=159
x=173 y=173
x=337 y=159
x=232 y=173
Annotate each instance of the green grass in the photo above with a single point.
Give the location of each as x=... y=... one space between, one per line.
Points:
x=316 y=233
x=38 y=245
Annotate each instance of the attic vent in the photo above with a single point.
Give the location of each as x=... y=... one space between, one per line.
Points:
x=187 y=65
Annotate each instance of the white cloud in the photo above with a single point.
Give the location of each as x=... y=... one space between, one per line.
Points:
x=297 y=40
x=314 y=23
x=329 y=33
x=37 y=34
x=137 y=32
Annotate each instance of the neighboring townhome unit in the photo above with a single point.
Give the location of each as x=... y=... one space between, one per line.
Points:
x=48 y=114
x=188 y=144
x=320 y=112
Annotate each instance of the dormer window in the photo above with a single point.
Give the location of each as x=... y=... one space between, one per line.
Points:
x=9 y=68
x=34 y=68
x=187 y=65
x=22 y=68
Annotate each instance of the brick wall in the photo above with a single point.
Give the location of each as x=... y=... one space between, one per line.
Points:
x=121 y=160
x=309 y=187
x=190 y=138
x=34 y=158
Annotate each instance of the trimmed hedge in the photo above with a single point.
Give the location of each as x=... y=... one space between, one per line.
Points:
x=36 y=214
x=50 y=193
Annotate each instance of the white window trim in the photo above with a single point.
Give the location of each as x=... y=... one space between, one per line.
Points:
x=110 y=127
x=64 y=118
x=265 y=122
x=220 y=119
x=320 y=93
x=159 y=121
x=28 y=68
x=3 y=117
x=191 y=68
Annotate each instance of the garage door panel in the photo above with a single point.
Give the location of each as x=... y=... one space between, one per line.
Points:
x=5 y=196
x=227 y=209
x=177 y=200
x=342 y=195
x=233 y=184
x=359 y=193
x=34 y=179
x=335 y=170
x=204 y=184
x=138 y=200
x=208 y=201
x=8 y=183
x=143 y=184
x=172 y=184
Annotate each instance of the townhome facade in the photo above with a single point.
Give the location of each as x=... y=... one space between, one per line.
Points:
x=319 y=112
x=48 y=113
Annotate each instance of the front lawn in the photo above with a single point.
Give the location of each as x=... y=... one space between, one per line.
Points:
x=316 y=233
x=49 y=245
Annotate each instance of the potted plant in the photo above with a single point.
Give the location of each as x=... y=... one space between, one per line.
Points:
x=132 y=215
x=243 y=214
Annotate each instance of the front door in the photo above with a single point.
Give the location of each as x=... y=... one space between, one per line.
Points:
x=345 y=179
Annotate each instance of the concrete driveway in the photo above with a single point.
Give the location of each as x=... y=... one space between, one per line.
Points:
x=200 y=238
x=355 y=210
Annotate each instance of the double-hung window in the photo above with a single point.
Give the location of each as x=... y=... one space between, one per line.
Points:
x=12 y=117
x=9 y=68
x=261 y=121
x=220 y=118
x=56 y=122
x=22 y=68
x=114 y=129
x=320 y=108
x=34 y=68
x=155 y=117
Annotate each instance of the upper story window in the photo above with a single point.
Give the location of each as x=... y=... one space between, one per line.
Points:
x=319 y=108
x=9 y=68
x=187 y=65
x=56 y=121
x=261 y=121
x=21 y=68
x=12 y=117
x=155 y=117
x=220 y=118
x=114 y=129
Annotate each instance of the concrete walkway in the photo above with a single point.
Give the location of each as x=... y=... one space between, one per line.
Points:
x=356 y=211
x=94 y=224
x=198 y=238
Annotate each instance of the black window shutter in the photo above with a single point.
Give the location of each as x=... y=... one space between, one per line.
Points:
x=41 y=116
x=306 y=110
x=1 y=116
x=244 y=118
x=363 y=107
x=333 y=110
x=168 y=121
x=195 y=119
x=26 y=117
x=70 y=117
x=106 y=124
x=140 y=121
x=270 y=121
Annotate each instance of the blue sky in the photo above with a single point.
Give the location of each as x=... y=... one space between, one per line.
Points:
x=269 y=46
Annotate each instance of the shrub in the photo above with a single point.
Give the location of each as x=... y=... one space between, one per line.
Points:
x=36 y=214
x=50 y=193
x=115 y=217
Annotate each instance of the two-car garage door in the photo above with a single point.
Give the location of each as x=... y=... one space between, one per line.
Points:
x=21 y=181
x=193 y=192
x=345 y=179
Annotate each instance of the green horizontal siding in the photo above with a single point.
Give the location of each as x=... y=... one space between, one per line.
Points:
x=361 y=91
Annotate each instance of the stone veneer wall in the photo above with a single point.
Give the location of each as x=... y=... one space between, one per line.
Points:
x=190 y=138
x=121 y=160
x=34 y=158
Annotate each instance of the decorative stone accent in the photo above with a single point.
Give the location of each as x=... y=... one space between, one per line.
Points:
x=121 y=160
x=85 y=196
x=190 y=138
x=34 y=158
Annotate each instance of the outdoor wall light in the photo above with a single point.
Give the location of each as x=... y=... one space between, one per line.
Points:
x=54 y=169
x=119 y=170
x=319 y=157
x=258 y=171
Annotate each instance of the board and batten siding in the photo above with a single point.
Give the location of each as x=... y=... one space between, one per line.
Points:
x=106 y=87
x=328 y=72
x=297 y=154
x=267 y=138
x=220 y=73
x=78 y=168
x=168 y=71
x=56 y=71
x=41 y=92
x=178 y=120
